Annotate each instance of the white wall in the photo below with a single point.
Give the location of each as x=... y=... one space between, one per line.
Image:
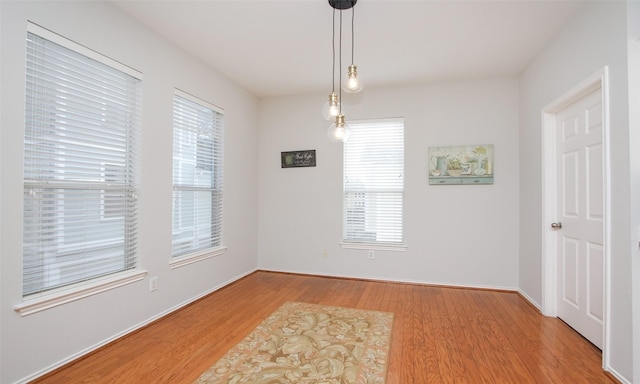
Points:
x=37 y=342
x=633 y=20
x=457 y=235
x=597 y=37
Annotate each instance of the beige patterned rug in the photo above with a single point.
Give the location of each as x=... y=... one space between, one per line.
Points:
x=310 y=344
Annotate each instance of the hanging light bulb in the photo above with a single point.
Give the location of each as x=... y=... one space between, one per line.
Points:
x=339 y=131
x=331 y=108
x=354 y=83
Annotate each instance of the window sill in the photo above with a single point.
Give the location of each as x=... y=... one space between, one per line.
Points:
x=375 y=246
x=191 y=258
x=63 y=296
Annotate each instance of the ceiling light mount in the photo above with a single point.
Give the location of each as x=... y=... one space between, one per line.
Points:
x=342 y=4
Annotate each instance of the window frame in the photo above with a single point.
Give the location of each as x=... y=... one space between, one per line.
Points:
x=215 y=166
x=60 y=293
x=371 y=244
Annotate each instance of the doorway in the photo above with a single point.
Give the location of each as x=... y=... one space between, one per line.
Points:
x=576 y=191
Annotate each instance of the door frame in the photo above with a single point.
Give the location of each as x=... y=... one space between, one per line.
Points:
x=599 y=80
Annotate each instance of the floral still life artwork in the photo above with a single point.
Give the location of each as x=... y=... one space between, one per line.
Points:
x=468 y=164
x=309 y=343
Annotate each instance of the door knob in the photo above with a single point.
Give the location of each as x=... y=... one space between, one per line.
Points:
x=557 y=225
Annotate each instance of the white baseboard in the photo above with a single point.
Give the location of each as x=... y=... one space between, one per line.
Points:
x=395 y=280
x=530 y=300
x=140 y=325
x=618 y=376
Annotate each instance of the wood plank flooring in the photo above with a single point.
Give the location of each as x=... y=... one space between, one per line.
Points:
x=440 y=335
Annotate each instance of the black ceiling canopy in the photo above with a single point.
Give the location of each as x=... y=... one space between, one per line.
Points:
x=342 y=4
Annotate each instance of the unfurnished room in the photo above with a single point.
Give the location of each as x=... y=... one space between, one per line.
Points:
x=319 y=191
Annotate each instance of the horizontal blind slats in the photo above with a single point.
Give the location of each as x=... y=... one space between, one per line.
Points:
x=80 y=159
x=197 y=176
x=374 y=182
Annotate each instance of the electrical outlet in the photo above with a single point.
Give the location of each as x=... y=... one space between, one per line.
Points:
x=153 y=284
x=371 y=255
x=325 y=253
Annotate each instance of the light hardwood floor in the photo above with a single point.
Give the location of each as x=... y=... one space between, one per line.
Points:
x=440 y=335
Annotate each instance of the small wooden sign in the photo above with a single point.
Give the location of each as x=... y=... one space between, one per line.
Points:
x=297 y=159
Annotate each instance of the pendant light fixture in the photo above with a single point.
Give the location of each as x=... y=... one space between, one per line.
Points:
x=339 y=131
x=354 y=83
x=331 y=108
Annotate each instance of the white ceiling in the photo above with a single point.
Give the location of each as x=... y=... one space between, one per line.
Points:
x=283 y=47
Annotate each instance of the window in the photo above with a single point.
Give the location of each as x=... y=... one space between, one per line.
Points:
x=197 y=175
x=82 y=118
x=374 y=183
x=113 y=206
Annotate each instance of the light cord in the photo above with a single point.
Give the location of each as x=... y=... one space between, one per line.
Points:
x=340 y=66
x=353 y=17
x=333 y=47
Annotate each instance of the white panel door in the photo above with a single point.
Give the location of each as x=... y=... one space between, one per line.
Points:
x=580 y=217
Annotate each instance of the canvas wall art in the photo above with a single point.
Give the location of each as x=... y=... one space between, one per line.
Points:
x=465 y=164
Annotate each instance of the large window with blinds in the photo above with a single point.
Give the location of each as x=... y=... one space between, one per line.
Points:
x=82 y=119
x=197 y=175
x=374 y=183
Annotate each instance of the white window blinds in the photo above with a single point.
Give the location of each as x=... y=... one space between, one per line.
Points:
x=82 y=118
x=374 y=182
x=197 y=175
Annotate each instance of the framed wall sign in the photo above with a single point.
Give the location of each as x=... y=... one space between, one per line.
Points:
x=297 y=159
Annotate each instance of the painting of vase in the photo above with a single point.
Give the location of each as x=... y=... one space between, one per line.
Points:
x=465 y=164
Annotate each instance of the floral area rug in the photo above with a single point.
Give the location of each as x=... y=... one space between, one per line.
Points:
x=309 y=344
